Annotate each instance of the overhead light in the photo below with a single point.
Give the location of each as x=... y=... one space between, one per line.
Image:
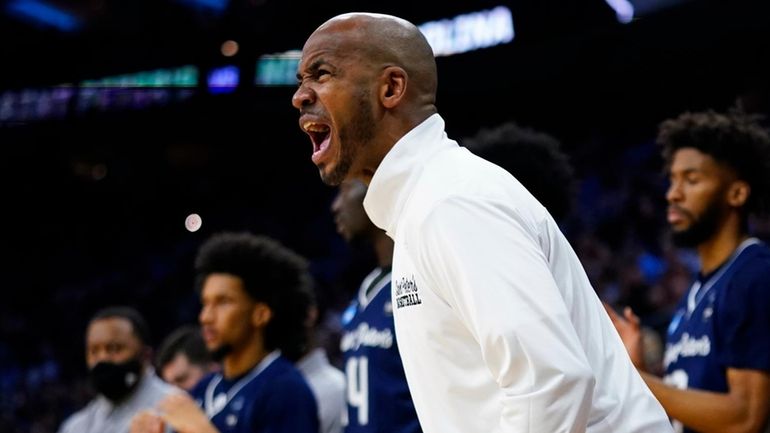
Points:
x=624 y=10
x=212 y=5
x=223 y=79
x=229 y=48
x=468 y=32
x=42 y=13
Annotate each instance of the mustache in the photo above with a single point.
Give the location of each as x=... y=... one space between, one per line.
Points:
x=682 y=211
x=303 y=111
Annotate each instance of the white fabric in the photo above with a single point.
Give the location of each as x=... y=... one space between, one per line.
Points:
x=498 y=326
x=328 y=386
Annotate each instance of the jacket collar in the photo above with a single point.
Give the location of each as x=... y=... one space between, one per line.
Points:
x=392 y=183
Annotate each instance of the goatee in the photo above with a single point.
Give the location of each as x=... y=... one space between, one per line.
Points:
x=359 y=131
x=220 y=352
x=701 y=229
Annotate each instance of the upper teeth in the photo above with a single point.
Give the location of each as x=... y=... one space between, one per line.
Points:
x=315 y=127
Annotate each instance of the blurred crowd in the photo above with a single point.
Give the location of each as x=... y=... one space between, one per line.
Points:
x=617 y=227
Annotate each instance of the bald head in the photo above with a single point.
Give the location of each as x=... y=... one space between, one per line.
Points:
x=364 y=81
x=385 y=40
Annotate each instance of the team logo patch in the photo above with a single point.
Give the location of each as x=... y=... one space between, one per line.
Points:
x=231 y=420
x=407 y=293
x=348 y=314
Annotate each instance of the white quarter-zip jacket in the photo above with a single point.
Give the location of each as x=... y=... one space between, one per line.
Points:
x=498 y=326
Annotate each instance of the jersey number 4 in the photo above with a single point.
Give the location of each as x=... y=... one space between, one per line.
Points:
x=357 y=371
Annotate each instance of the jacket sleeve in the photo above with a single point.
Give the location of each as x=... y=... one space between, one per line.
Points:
x=485 y=261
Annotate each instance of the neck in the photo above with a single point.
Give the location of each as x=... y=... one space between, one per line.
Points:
x=383 y=248
x=394 y=128
x=312 y=340
x=370 y=166
x=241 y=360
x=718 y=248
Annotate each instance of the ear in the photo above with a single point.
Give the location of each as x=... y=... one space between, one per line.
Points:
x=261 y=315
x=312 y=317
x=738 y=193
x=393 y=86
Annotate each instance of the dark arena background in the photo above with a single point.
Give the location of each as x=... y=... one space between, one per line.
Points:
x=118 y=119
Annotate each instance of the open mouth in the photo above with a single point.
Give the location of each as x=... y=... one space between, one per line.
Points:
x=208 y=334
x=319 y=134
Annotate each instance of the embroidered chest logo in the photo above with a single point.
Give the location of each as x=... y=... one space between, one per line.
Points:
x=407 y=293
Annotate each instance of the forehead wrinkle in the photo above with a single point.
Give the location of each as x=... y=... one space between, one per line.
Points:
x=349 y=39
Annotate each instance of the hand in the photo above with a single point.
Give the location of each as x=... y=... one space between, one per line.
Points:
x=184 y=415
x=146 y=421
x=631 y=333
